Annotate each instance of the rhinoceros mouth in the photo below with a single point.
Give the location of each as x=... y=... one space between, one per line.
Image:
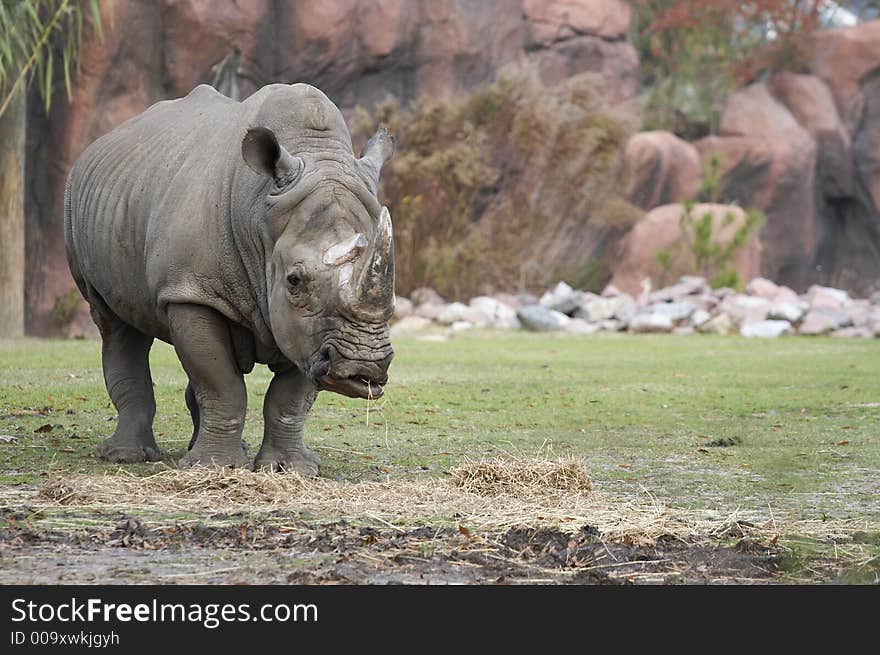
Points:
x=353 y=387
x=348 y=377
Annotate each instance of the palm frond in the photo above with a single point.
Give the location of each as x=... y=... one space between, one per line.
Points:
x=33 y=33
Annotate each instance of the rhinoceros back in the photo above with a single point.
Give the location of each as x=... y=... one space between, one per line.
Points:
x=147 y=210
x=163 y=209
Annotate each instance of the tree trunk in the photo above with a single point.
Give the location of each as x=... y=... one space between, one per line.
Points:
x=12 y=133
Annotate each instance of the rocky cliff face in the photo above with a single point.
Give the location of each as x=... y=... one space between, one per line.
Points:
x=804 y=149
x=357 y=51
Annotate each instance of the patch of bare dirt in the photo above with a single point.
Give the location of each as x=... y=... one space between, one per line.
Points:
x=302 y=553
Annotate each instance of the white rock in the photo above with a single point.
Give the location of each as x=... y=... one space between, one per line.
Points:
x=842 y=317
x=786 y=311
x=541 y=319
x=700 y=317
x=720 y=324
x=745 y=309
x=818 y=323
x=508 y=299
x=762 y=287
x=459 y=326
x=451 y=313
x=403 y=307
x=765 y=329
x=723 y=292
x=580 y=326
x=621 y=307
x=498 y=315
x=676 y=311
x=561 y=290
x=428 y=310
x=859 y=312
x=612 y=325
x=478 y=318
x=457 y=311
x=854 y=332
x=410 y=324
x=598 y=309
x=705 y=301
x=610 y=291
x=562 y=298
x=686 y=286
x=683 y=329
x=626 y=309
x=827 y=297
x=785 y=295
x=426 y=295
x=651 y=323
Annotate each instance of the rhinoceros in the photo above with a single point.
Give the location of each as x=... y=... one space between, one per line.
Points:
x=240 y=233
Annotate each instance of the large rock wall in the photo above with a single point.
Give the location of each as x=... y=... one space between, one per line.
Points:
x=357 y=51
x=804 y=149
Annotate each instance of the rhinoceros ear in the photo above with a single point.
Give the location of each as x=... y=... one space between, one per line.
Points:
x=378 y=150
x=264 y=155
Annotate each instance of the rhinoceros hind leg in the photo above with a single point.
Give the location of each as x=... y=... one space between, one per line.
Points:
x=202 y=341
x=126 y=361
x=288 y=401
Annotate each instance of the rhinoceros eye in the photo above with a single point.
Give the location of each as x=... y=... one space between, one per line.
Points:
x=298 y=280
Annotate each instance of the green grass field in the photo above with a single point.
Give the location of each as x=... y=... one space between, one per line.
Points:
x=785 y=427
x=764 y=431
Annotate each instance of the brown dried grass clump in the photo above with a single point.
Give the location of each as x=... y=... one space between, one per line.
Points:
x=489 y=495
x=220 y=486
x=517 y=477
x=486 y=494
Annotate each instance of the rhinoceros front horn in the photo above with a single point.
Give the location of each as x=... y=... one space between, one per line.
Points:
x=374 y=289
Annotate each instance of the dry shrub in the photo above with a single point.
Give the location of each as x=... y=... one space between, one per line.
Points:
x=515 y=185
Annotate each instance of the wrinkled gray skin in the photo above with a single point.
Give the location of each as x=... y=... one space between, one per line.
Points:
x=241 y=233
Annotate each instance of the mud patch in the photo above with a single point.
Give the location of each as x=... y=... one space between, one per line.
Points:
x=252 y=552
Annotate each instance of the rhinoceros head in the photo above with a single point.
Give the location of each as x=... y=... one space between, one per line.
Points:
x=330 y=277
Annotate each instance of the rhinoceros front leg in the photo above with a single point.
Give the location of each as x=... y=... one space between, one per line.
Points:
x=288 y=400
x=125 y=354
x=201 y=339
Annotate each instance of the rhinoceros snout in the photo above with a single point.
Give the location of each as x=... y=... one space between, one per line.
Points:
x=336 y=371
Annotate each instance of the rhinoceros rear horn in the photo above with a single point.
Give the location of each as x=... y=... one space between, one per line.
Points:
x=264 y=155
x=378 y=150
x=374 y=294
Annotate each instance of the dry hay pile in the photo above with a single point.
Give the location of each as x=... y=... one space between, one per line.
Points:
x=521 y=478
x=488 y=495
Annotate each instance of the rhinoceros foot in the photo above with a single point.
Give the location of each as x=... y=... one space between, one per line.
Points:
x=234 y=457
x=121 y=451
x=301 y=460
